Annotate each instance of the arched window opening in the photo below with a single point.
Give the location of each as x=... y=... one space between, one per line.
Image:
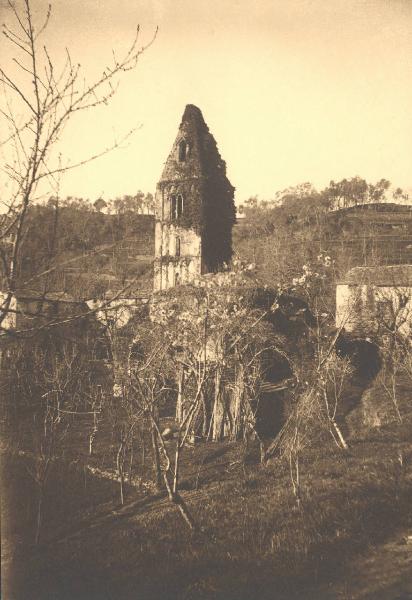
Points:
x=179 y=205
x=176 y=206
x=177 y=246
x=177 y=279
x=182 y=150
x=173 y=207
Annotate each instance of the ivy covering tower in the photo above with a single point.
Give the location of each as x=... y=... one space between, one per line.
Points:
x=194 y=207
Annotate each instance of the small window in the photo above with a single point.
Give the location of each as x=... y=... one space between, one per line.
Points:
x=177 y=279
x=182 y=151
x=179 y=205
x=177 y=246
x=173 y=207
x=176 y=206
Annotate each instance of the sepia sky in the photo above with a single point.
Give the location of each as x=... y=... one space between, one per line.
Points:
x=292 y=90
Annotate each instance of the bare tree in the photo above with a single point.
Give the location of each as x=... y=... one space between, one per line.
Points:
x=331 y=383
x=316 y=404
x=39 y=102
x=48 y=384
x=149 y=375
x=49 y=429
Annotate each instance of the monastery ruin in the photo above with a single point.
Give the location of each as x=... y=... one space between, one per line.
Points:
x=194 y=207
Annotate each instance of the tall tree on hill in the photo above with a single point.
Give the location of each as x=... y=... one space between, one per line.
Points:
x=346 y=192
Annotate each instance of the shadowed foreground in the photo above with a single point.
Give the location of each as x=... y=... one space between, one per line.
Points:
x=253 y=541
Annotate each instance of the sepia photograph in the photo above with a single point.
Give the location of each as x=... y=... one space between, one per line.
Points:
x=206 y=299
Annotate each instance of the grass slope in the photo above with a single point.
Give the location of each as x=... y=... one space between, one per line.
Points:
x=254 y=542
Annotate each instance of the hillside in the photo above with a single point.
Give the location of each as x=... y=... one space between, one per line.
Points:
x=86 y=253
x=279 y=241
x=380 y=233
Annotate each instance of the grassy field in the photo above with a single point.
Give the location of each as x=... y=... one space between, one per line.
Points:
x=253 y=541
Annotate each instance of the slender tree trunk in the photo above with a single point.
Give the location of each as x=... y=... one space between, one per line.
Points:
x=142 y=437
x=171 y=488
x=218 y=410
x=339 y=434
x=120 y=467
x=131 y=459
x=184 y=511
x=394 y=396
x=205 y=417
x=237 y=403
x=295 y=475
x=176 y=469
x=156 y=459
x=179 y=403
x=177 y=499
x=121 y=489
x=93 y=433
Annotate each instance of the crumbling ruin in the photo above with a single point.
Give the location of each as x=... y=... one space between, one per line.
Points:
x=194 y=207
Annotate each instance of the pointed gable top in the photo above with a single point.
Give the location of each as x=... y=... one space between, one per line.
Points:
x=194 y=153
x=193 y=114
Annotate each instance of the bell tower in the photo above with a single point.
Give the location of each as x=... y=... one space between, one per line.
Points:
x=194 y=207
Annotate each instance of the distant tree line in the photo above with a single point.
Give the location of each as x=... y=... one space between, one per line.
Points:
x=139 y=203
x=303 y=198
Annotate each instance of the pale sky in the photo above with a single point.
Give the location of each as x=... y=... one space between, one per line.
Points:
x=292 y=90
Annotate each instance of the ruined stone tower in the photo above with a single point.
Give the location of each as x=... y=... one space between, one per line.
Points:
x=194 y=207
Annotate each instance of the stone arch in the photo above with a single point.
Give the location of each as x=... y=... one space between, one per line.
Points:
x=363 y=353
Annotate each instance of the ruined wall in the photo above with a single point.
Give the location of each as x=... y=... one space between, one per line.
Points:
x=368 y=309
x=178 y=249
